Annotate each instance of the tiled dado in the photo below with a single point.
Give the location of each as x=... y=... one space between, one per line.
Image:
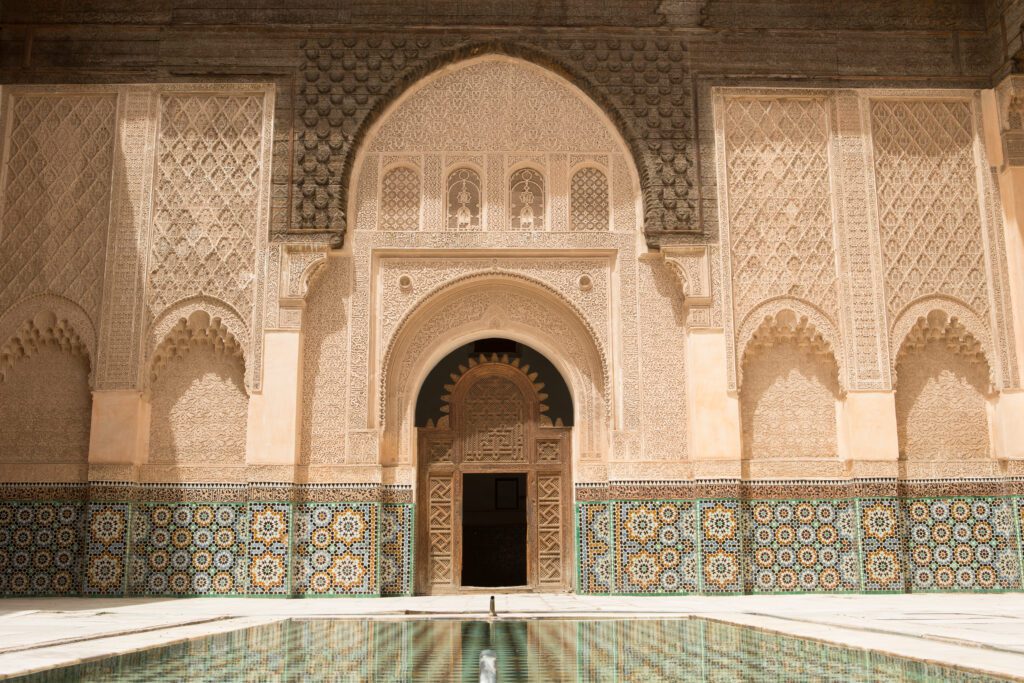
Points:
x=194 y=548
x=966 y=543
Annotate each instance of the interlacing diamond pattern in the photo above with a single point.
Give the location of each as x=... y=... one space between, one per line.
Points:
x=400 y=200
x=57 y=198
x=780 y=212
x=549 y=528
x=494 y=422
x=925 y=175
x=589 y=200
x=207 y=199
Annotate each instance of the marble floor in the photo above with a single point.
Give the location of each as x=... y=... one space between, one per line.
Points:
x=977 y=631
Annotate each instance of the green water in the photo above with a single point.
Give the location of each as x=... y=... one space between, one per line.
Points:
x=548 y=650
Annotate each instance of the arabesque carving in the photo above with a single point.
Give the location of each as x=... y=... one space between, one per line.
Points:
x=198 y=330
x=56 y=196
x=789 y=392
x=943 y=382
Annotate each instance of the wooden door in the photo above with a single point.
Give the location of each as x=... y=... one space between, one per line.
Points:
x=495 y=424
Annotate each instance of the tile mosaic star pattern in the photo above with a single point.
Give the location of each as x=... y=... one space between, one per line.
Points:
x=656 y=547
x=39 y=548
x=881 y=544
x=721 y=546
x=269 y=548
x=396 y=549
x=962 y=544
x=188 y=549
x=594 y=547
x=106 y=548
x=807 y=545
x=336 y=548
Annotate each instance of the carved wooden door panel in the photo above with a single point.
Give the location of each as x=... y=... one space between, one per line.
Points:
x=495 y=424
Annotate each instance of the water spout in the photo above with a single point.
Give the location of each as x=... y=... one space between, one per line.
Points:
x=488 y=666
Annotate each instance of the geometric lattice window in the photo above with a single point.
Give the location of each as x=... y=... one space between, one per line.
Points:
x=400 y=200
x=589 y=200
x=463 y=199
x=527 y=200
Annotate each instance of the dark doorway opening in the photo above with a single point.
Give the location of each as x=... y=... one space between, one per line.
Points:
x=494 y=530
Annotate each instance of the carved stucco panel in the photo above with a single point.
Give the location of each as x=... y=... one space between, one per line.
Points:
x=325 y=365
x=486 y=300
x=863 y=310
x=428 y=274
x=122 y=321
x=926 y=182
x=211 y=203
x=549 y=119
x=494 y=104
x=662 y=363
x=775 y=210
x=56 y=187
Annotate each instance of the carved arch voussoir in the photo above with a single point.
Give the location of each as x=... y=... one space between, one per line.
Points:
x=201 y=320
x=790 y=318
x=644 y=162
x=45 y=320
x=939 y=317
x=496 y=276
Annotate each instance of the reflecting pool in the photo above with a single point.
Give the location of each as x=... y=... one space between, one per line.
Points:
x=542 y=650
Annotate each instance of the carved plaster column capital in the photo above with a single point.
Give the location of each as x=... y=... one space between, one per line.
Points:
x=692 y=265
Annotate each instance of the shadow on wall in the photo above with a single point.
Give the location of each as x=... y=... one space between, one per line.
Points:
x=46 y=409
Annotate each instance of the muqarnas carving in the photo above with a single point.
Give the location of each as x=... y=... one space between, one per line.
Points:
x=45 y=400
x=789 y=392
x=199 y=401
x=943 y=382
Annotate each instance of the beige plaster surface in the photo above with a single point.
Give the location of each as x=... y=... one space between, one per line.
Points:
x=120 y=427
x=983 y=632
x=273 y=434
x=715 y=416
x=868 y=424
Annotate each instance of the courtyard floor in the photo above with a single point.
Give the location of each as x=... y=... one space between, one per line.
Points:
x=977 y=631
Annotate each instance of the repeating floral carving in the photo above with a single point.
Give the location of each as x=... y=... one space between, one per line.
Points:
x=400 y=199
x=942 y=383
x=520 y=124
x=589 y=200
x=927 y=187
x=56 y=197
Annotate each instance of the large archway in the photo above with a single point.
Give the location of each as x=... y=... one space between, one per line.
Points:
x=494 y=472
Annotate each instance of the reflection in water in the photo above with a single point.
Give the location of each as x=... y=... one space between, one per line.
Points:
x=548 y=650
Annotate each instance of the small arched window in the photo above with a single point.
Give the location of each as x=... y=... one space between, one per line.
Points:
x=400 y=199
x=527 y=200
x=589 y=200
x=463 y=199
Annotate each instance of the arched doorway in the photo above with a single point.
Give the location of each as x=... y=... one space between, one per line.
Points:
x=494 y=473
